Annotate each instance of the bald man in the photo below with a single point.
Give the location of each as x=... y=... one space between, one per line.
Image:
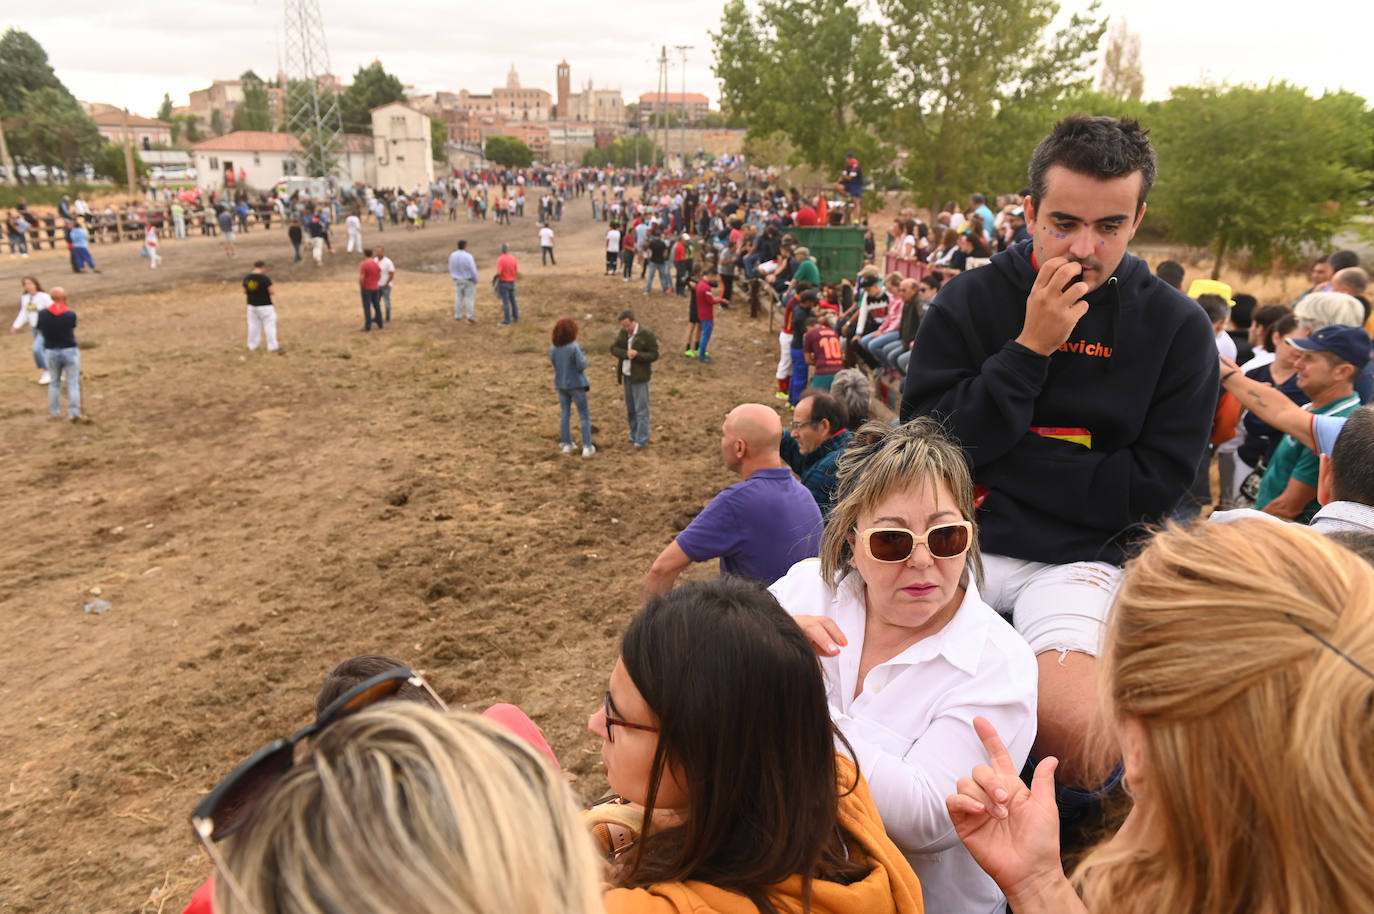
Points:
x=759 y=527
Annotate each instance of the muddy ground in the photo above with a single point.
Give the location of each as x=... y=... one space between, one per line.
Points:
x=254 y=519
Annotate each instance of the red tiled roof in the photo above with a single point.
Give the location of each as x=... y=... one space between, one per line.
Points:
x=116 y=119
x=250 y=141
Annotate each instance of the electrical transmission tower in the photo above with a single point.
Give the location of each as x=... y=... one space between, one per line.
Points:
x=312 y=109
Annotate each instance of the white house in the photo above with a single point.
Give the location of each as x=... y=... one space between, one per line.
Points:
x=402 y=147
x=263 y=157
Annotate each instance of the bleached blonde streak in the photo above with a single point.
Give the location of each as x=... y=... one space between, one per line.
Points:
x=1258 y=795
x=406 y=810
x=880 y=460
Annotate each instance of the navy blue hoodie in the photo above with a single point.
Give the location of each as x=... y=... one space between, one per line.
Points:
x=1072 y=452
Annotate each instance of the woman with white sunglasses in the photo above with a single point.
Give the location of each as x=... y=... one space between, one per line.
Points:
x=910 y=651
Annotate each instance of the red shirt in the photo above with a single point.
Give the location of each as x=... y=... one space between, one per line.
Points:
x=706 y=302
x=679 y=251
x=506 y=268
x=370 y=274
x=823 y=343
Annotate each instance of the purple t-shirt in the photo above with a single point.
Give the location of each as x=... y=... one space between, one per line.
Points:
x=759 y=528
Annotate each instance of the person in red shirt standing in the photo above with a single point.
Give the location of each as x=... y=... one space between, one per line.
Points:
x=682 y=264
x=507 y=270
x=823 y=349
x=705 y=306
x=370 y=283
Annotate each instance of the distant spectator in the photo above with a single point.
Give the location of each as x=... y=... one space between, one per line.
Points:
x=1171 y=271
x=570 y=380
x=819 y=433
x=852 y=388
x=57 y=327
x=1353 y=281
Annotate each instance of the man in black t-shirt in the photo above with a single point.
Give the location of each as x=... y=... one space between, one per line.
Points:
x=262 y=316
x=658 y=261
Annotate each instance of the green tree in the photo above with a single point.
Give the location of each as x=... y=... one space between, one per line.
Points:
x=24 y=68
x=1267 y=170
x=372 y=87
x=191 y=125
x=438 y=140
x=253 y=114
x=108 y=162
x=961 y=62
x=217 y=122
x=509 y=151
x=164 y=110
x=811 y=70
x=53 y=132
x=621 y=153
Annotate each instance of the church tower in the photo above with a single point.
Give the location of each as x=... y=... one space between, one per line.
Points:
x=564 y=78
x=512 y=78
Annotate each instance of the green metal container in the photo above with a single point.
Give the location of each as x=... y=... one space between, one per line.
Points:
x=838 y=250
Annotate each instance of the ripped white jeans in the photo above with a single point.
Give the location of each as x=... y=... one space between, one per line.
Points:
x=1054 y=607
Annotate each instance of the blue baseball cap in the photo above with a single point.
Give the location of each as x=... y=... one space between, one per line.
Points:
x=1350 y=344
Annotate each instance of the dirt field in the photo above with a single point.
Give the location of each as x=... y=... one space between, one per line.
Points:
x=254 y=519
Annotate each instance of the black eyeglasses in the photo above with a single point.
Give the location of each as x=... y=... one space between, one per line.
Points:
x=610 y=733
x=226 y=808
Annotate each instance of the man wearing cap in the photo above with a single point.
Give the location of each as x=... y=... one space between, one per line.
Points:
x=1330 y=360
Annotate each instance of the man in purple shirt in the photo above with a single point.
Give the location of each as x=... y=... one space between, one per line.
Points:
x=758 y=528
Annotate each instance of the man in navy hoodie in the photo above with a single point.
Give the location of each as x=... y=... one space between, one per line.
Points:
x=1081 y=388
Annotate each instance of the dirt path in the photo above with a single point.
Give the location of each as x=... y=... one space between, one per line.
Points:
x=253 y=520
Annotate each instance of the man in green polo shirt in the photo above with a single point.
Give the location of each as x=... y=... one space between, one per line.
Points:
x=1330 y=361
x=807 y=271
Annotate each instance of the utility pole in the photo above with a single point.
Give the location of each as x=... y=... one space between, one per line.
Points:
x=128 y=154
x=683 y=49
x=662 y=111
x=5 y=160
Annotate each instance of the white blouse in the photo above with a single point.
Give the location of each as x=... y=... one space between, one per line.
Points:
x=911 y=728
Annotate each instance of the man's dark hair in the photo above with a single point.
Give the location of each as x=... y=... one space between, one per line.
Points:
x=1215 y=306
x=1342 y=259
x=824 y=406
x=1243 y=310
x=256 y=263
x=1352 y=472
x=626 y=315
x=979 y=199
x=1099 y=147
x=367 y=252
x=1171 y=271
x=933 y=280
x=462 y=245
x=360 y=669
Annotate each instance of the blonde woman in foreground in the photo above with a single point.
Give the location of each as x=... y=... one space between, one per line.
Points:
x=1243 y=695
x=403 y=808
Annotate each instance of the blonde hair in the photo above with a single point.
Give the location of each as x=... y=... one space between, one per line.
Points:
x=1258 y=733
x=405 y=809
x=882 y=459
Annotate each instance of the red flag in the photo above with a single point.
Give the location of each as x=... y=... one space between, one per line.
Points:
x=822 y=210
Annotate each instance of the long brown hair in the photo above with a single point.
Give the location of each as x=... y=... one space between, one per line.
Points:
x=1245 y=653
x=744 y=722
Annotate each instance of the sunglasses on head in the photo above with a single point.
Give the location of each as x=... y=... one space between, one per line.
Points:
x=895 y=544
x=225 y=809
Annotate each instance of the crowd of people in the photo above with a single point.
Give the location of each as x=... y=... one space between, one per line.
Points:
x=937 y=643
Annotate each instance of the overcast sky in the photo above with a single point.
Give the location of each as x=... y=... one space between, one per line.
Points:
x=129 y=54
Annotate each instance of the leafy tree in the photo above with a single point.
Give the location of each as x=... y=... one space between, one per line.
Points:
x=108 y=162
x=217 y=122
x=810 y=69
x=372 y=87
x=961 y=62
x=164 y=110
x=1268 y=170
x=24 y=68
x=1121 y=74
x=191 y=123
x=438 y=139
x=509 y=151
x=53 y=132
x=253 y=114
x=621 y=153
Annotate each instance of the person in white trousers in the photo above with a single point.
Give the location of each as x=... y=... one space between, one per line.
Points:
x=262 y=315
x=150 y=242
x=354 y=226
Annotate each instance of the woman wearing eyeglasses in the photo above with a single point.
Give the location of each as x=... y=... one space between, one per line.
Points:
x=909 y=650
x=715 y=730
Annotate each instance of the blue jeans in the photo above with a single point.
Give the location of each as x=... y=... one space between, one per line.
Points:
x=546 y=256
x=566 y=398
x=386 y=296
x=372 y=304
x=706 y=328
x=800 y=372
x=875 y=343
x=464 y=298
x=18 y=243
x=68 y=362
x=659 y=269
x=83 y=258
x=637 y=410
x=509 y=309
x=38 y=360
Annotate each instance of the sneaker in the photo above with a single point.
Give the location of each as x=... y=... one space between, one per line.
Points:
x=589 y=450
x=690 y=353
x=567 y=448
x=45 y=378
x=705 y=359
x=780 y=395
